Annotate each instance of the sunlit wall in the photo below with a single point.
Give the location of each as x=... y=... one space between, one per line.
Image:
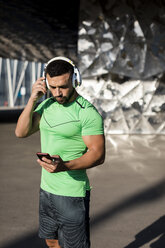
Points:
x=121 y=50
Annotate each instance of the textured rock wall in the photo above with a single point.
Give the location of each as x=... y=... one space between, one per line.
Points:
x=122 y=60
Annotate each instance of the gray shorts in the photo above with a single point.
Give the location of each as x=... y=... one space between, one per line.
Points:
x=65 y=218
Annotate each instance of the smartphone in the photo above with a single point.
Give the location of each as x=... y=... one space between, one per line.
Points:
x=41 y=155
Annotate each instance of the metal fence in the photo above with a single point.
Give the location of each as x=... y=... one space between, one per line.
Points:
x=16 y=79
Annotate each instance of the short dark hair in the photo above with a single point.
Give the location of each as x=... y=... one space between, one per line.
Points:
x=58 y=67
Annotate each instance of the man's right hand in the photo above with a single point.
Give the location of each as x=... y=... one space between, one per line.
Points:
x=38 y=89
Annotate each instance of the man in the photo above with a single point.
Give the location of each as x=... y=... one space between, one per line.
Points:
x=72 y=133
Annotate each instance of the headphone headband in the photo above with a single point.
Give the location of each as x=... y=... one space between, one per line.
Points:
x=76 y=79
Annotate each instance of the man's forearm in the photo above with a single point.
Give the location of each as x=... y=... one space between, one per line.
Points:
x=28 y=121
x=93 y=157
x=88 y=160
x=24 y=123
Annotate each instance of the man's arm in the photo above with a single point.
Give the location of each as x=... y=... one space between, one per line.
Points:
x=28 y=122
x=93 y=157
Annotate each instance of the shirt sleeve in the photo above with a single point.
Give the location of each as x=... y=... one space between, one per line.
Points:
x=40 y=108
x=92 y=122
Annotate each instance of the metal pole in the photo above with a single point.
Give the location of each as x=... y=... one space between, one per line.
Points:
x=11 y=101
x=20 y=80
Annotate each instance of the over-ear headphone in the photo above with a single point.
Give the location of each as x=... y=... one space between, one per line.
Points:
x=76 y=78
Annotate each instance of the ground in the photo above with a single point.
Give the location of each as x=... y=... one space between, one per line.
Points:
x=128 y=192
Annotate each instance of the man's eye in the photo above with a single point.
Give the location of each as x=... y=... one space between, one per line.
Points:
x=64 y=87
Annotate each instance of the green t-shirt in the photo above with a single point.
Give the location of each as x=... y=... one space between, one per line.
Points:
x=61 y=130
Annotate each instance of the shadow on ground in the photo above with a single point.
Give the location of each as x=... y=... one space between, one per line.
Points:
x=149 y=233
x=150 y=194
x=31 y=240
x=155 y=230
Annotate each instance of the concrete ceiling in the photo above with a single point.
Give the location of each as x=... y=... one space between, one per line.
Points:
x=38 y=30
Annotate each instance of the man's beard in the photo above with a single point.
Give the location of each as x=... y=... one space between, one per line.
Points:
x=64 y=99
x=61 y=99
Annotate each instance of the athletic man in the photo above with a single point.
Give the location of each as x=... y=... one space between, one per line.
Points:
x=72 y=133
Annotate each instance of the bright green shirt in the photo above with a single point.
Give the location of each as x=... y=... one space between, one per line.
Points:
x=61 y=130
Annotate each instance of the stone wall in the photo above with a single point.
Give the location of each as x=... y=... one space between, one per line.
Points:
x=122 y=60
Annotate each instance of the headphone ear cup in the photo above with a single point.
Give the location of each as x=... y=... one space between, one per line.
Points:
x=77 y=77
x=74 y=80
x=47 y=83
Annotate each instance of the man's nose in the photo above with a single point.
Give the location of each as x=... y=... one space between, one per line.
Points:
x=57 y=92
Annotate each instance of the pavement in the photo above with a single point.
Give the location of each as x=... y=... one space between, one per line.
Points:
x=128 y=192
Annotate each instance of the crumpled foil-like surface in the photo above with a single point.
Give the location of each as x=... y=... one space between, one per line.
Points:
x=122 y=61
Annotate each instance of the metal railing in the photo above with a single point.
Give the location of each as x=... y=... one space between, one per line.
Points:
x=16 y=80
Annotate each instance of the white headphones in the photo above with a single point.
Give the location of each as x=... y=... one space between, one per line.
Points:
x=76 y=78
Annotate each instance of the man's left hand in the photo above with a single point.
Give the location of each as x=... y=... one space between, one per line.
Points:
x=53 y=166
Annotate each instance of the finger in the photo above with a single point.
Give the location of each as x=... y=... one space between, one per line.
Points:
x=41 y=85
x=49 y=167
x=39 y=82
x=40 y=79
x=48 y=161
x=39 y=88
x=56 y=158
x=55 y=161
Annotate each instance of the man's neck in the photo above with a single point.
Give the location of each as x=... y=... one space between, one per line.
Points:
x=73 y=96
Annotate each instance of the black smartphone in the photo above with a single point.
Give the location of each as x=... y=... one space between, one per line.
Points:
x=41 y=155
